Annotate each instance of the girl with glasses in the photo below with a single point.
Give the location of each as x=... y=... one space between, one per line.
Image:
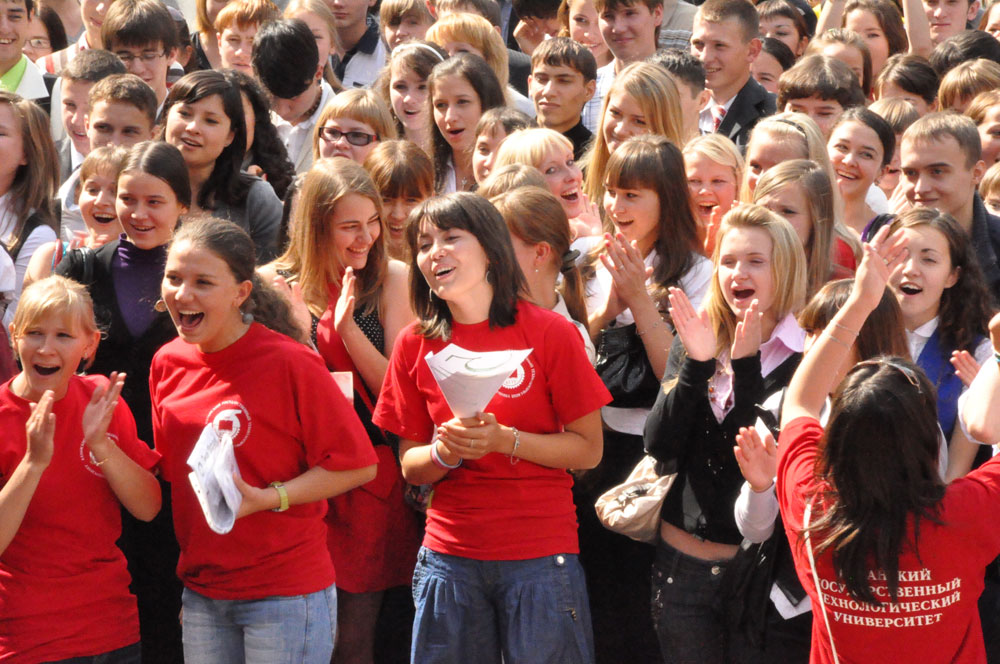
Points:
x=351 y=126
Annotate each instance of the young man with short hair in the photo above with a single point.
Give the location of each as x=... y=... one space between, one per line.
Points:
x=563 y=77
x=947 y=18
x=286 y=61
x=18 y=74
x=820 y=87
x=688 y=74
x=364 y=51
x=237 y=26
x=725 y=37
x=143 y=36
x=76 y=81
x=630 y=28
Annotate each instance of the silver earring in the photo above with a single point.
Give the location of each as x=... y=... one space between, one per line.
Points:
x=247 y=318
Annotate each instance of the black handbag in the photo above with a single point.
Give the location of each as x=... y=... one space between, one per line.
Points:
x=623 y=366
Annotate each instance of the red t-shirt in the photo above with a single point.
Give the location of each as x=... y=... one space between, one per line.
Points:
x=477 y=511
x=286 y=416
x=63 y=582
x=936 y=618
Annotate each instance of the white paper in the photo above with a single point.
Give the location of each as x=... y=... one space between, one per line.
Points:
x=213 y=463
x=345 y=381
x=470 y=379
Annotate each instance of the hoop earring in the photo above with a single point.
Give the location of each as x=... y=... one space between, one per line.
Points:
x=160 y=306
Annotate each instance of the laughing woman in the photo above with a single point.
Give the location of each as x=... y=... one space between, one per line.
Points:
x=500 y=552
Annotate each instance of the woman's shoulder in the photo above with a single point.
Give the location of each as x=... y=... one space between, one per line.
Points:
x=259 y=189
x=532 y=317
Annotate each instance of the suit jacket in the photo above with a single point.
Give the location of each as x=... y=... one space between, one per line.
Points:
x=64 y=149
x=518 y=70
x=751 y=104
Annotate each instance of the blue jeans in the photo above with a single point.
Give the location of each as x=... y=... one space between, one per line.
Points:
x=274 y=630
x=478 y=611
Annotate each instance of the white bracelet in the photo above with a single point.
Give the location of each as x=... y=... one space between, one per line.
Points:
x=436 y=458
x=517 y=444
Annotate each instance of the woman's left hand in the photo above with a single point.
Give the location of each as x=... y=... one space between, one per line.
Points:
x=474 y=441
x=254 y=499
x=965 y=365
x=588 y=222
x=97 y=416
x=343 y=314
x=628 y=271
x=747 y=338
x=882 y=256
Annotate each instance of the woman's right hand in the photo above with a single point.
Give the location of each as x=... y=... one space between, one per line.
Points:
x=41 y=430
x=628 y=271
x=692 y=327
x=758 y=459
x=882 y=256
x=293 y=295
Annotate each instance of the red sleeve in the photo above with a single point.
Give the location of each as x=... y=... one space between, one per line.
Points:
x=575 y=387
x=401 y=407
x=331 y=431
x=158 y=439
x=798 y=447
x=123 y=426
x=977 y=495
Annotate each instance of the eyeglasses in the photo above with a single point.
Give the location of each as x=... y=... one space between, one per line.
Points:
x=146 y=57
x=38 y=42
x=359 y=138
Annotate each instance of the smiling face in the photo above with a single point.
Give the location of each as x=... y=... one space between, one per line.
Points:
x=712 y=185
x=485 y=153
x=342 y=147
x=201 y=130
x=559 y=94
x=93 y=12
x=457 y=109
x=791 y=201
x=147 y=208
x=623 y=119
x=744 y=270
x=564 y=178
x=203 y=297
x=635 y=214
x=925 y=275
x=454 y=265
x=50 y=349
x=397 y=210
x=13 y=28
x=356 y=226
x=856 y=153
x=74 y=113
x=865 y=24
x=97 y=204
x=935 y=174
x=408 y=96
x=630 y=30
x=585 y=29
x=725 y=53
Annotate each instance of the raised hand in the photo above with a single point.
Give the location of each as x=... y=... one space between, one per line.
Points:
x=965 y=365
x=588 y=222
x=98 y=413
x=628 y=271
x=41 y=431
x=692 y=327
x=758 y=459
x=882 y=256
x=343 y=314
x=747 y=338
x=712 y=229
x=293 y=295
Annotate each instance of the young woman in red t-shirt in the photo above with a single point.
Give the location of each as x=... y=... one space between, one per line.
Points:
x=63 y=582
x=264 y=591
x=498 y=574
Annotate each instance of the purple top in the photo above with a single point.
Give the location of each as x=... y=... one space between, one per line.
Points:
x=136 y=274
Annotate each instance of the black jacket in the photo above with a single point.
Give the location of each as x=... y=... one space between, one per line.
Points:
x=751 y=104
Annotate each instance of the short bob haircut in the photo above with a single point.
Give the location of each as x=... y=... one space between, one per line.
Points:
x=966 y=81
x=944 y=125
x=54 y=296
x=400 y=169
x=823 y=77
x=882 y=333
x=656 y=93
x=889 y=18
x=818 y=191
x=106 y=161
x=530 y=146
x=478 y=33
x=309 y=255
x=850 y=38
x=361 y=105
x=788 y=269
x=898 y=112
x=476 y=215
x=910 y=73
x=510 y=177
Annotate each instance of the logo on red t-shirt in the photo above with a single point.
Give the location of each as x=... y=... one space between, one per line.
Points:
x=520 y=381
x=89 y=462
x=233 y=418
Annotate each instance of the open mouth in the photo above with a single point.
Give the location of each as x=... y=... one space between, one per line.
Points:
x=190 y=319
x=45 y=371
x=743 y=293
x=396 y=228
x=910 y=289
x=572 y=197
x=846 y=176
x=104 y=217
x=443 y=272
x=705 y=209
x=190 y=143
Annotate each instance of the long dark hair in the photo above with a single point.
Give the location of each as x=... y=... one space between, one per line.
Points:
x=964 y=311
x=879 y=468
x=226 y=183
x=267 y=150
x=477 y=74
x=472 y=213
x=233 y=245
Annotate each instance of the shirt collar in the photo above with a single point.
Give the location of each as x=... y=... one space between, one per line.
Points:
x=927 y=329
x=786 y=339
x=368 y=41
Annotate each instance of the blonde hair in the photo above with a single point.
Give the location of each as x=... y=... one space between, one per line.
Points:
x=477 y=32
x=530 y=146
x=719 y=149
x=656 y=93
x=510 y=177
x=105 y=160
x=309 y=256
x=982 y=103
x=322 y=10
x=817 y=189
x=54 y=296
x=361 y=105
x=788 y=270
x=990 y=184
x=966 y=81
x=244 y=13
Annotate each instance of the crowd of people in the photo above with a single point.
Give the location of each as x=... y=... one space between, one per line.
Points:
x=757 y=243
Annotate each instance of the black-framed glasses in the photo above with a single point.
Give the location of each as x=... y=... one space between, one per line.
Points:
x=359 y=138
x=146 y=57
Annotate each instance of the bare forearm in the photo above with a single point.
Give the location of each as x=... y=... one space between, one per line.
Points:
x=918 y=28
x=832 y=16
x=135 y=487
x=982 y=405
x=418 y=465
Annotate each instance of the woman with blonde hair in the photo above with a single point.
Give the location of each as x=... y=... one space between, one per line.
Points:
x=351 y=125
x=961 y=85
x=354 y=298
x=641 y=86
x=510 y=177
x=462 y=32
x=319 y=17
x=714 y=167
